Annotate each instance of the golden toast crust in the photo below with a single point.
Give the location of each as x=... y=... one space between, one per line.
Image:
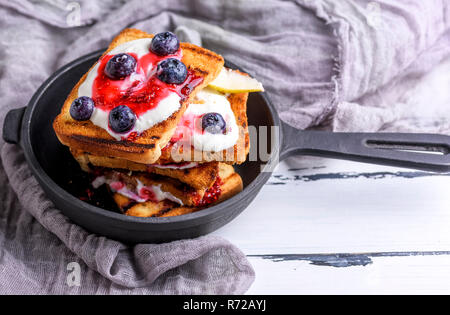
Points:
x=232 y=184
x=236 y=154
x=198 y=178
x=146 y=148
x=202 y=176
x=188 y=195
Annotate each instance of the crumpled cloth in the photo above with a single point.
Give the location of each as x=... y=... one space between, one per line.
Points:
x=337 y=65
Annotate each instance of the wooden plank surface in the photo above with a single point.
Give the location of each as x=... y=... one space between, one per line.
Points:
x=313 y=205
x=427 y=274
x=315 y=211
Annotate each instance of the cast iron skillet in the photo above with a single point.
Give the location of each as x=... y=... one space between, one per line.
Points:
x=54 y=168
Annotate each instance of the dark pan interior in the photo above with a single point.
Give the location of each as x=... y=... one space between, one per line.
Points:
x=56 y=160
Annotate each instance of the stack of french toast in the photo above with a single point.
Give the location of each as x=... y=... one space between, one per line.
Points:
x=160 y=123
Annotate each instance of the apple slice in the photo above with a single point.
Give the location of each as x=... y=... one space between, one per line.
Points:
x=233 y=81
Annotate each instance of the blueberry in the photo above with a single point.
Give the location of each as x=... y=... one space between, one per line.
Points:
x=120 y=66
x=164 y=44
x=121 y=119
x=171 y=71
x=213 y=123
x=82 y=108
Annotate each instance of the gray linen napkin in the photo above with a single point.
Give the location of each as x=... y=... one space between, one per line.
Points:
x=344 y=65
x=35 y=261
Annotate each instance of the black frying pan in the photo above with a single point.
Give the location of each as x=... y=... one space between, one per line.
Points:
x=61 y=177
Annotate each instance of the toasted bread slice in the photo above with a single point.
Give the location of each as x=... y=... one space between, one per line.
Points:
x=199 y=177
x=172 y=153
x=85 y=136
x=149 y=208
x=132 y=183
x=230 y=187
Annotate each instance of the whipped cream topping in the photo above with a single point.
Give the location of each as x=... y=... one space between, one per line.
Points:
x=164 y=109
x=189 y=129
x=138 y=194
x=158 y=193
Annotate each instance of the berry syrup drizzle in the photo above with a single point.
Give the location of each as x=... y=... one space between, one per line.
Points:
x=211 y=195
x=142 y=90
x=187 y=126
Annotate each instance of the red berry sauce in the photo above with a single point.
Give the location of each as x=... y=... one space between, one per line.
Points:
x=137 y=91
x=211 y=195
x=186 y=127
x=147 y=194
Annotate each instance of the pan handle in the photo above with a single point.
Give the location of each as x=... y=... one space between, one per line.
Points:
x=427 y=152
x=12 y=125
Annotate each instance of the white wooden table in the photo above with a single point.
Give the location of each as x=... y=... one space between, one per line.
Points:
x=324 y=226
